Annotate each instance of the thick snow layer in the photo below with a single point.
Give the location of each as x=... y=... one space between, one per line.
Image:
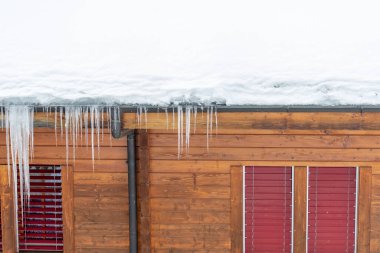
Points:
x=156 y=52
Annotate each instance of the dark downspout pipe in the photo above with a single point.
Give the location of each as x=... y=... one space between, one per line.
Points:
x=117 y=132
x=132 y=192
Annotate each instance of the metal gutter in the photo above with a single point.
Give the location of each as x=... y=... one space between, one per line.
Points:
x=231 y=108
x=132 y=195
x=264 y=108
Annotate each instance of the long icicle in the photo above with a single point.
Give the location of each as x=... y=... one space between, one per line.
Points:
x=92 y=112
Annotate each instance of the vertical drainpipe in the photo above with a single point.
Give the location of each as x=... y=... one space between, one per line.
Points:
x=132 y=193
x=116 y=130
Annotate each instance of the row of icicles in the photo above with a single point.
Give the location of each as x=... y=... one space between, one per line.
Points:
x=76 y=123
x=184 y=123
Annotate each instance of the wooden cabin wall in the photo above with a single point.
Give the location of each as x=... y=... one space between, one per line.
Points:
x=100 y=193
x=190 y=195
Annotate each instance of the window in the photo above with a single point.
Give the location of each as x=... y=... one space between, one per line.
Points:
x=332 y=212
x=268 y=209
x=307 y=209
x=40 y=223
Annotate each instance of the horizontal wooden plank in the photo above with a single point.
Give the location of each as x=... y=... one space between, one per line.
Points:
x=178 y=166
x=264 y=120
x=103 y=165
x=259 y=141
x=53 y=152
x=217 y=232
x=190 y=243
x=179 y=204
x=107 y=249
x=268 y=154
x=57 y=139
x=174 y=191
x=102 y=203
x=175 y=250
x=205 y=228
x=84 y=178
x=240 y=131
x=102 y=229
x=109 y=166
x=85 y=241
x=190 y=217
x=190 y=179
x=85 y=216
x=97 y=191
x=218 y=166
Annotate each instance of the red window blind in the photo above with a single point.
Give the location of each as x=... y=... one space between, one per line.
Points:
x=268 y=209
x=40 y=223
x=331 y=210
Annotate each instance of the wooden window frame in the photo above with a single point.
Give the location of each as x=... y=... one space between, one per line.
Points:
x=300 y=201
x=9 y=221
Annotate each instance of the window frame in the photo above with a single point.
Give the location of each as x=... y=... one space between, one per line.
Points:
x=9 y=221
x=300 y=202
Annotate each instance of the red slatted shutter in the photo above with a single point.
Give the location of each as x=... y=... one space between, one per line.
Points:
x=268 y=209
x=332 y=210
x=41 y=227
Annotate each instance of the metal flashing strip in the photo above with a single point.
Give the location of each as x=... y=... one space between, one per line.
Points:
x=356 y=208
x=225 y=108
x=243 y=209
x=292 y=235
x=307 y=208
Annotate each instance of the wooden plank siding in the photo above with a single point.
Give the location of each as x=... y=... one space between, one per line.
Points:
x=100 y=193
x=185 y=204
x=192 y=192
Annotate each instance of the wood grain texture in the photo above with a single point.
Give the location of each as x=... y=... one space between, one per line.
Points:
x=364 y=215
x=68 y=209
x=300 y=196
x=237 y=209
x=265 y=120
x=269 y=154
x=143 y=193
x=269 y=141
x=8 y=219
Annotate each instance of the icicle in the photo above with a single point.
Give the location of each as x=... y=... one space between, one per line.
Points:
x=19 y=140
x=61 y=119
x=146 y=118
x=188 y=126
x=167 y=118
x=207 y=126
x=173 y=121
x=109 y=124
x=67 y=123
x=2 y=117
x=138 y=117
x=195 y=118
x=211 y=118
x=92 y=111
x=97 y=123
x=216 y=121
x=55 y=126
x=85 y=119
x=180 y=125
x=81 y=125
x=102 y=112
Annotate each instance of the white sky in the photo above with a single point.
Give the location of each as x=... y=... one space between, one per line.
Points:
x=177 y=47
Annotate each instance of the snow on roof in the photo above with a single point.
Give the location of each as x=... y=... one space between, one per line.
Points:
x=157 y=52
